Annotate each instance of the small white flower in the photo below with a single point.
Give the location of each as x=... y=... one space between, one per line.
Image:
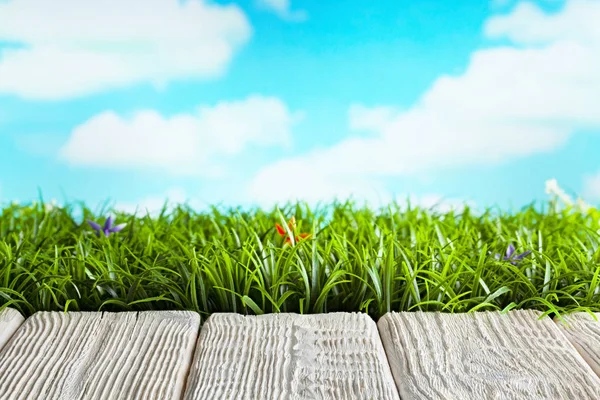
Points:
x=583 y=206
x=50 y=206
x=552 y=188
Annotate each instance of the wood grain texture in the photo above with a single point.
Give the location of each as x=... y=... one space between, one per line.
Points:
x=10 y=320
x=484 y=355
x=99 y=356
x=290 y=356
x=583 y=331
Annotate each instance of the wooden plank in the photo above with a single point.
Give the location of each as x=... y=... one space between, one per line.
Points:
x=583 y=331
x=484 y=355
x=99 y=356
x=290 y=356
x=10 y=320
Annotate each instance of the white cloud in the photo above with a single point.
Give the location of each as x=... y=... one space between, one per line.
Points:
x=512 y=101
x=591 y=187
x=283 y=9
x=72 y=48
x=184 y=143
x=527 y=24
x=371 y=119
x=154 y=204
x=290 y=181
x=277 y=187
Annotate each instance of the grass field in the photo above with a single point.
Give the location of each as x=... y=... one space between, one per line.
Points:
x=339 y=257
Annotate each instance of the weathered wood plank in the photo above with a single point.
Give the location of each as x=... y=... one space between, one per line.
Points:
x=484 y=355
x=10 y=320
x=99 y=356
x=583 y=331
x=290 y=356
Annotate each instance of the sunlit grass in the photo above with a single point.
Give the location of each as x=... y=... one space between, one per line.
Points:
x=356 y=259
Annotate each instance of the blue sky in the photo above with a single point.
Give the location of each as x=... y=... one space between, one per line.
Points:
x=263 y=101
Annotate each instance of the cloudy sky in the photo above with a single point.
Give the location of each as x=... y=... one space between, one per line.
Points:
x=264 y=101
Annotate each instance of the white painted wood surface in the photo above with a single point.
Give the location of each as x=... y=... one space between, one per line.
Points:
x=287 y=356
x=112 y=356
x=484 y=355
x=583 y=331
x=290 y=356
x=10 y=320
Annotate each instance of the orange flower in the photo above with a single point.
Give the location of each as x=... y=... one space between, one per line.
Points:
x=292 y=226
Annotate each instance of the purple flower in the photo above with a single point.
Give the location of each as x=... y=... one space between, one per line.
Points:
x=108 y=227
x=510 y=255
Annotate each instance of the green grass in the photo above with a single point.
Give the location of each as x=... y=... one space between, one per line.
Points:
x=357 y=259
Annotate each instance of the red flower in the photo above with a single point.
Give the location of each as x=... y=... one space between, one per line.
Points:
x=292 y=226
